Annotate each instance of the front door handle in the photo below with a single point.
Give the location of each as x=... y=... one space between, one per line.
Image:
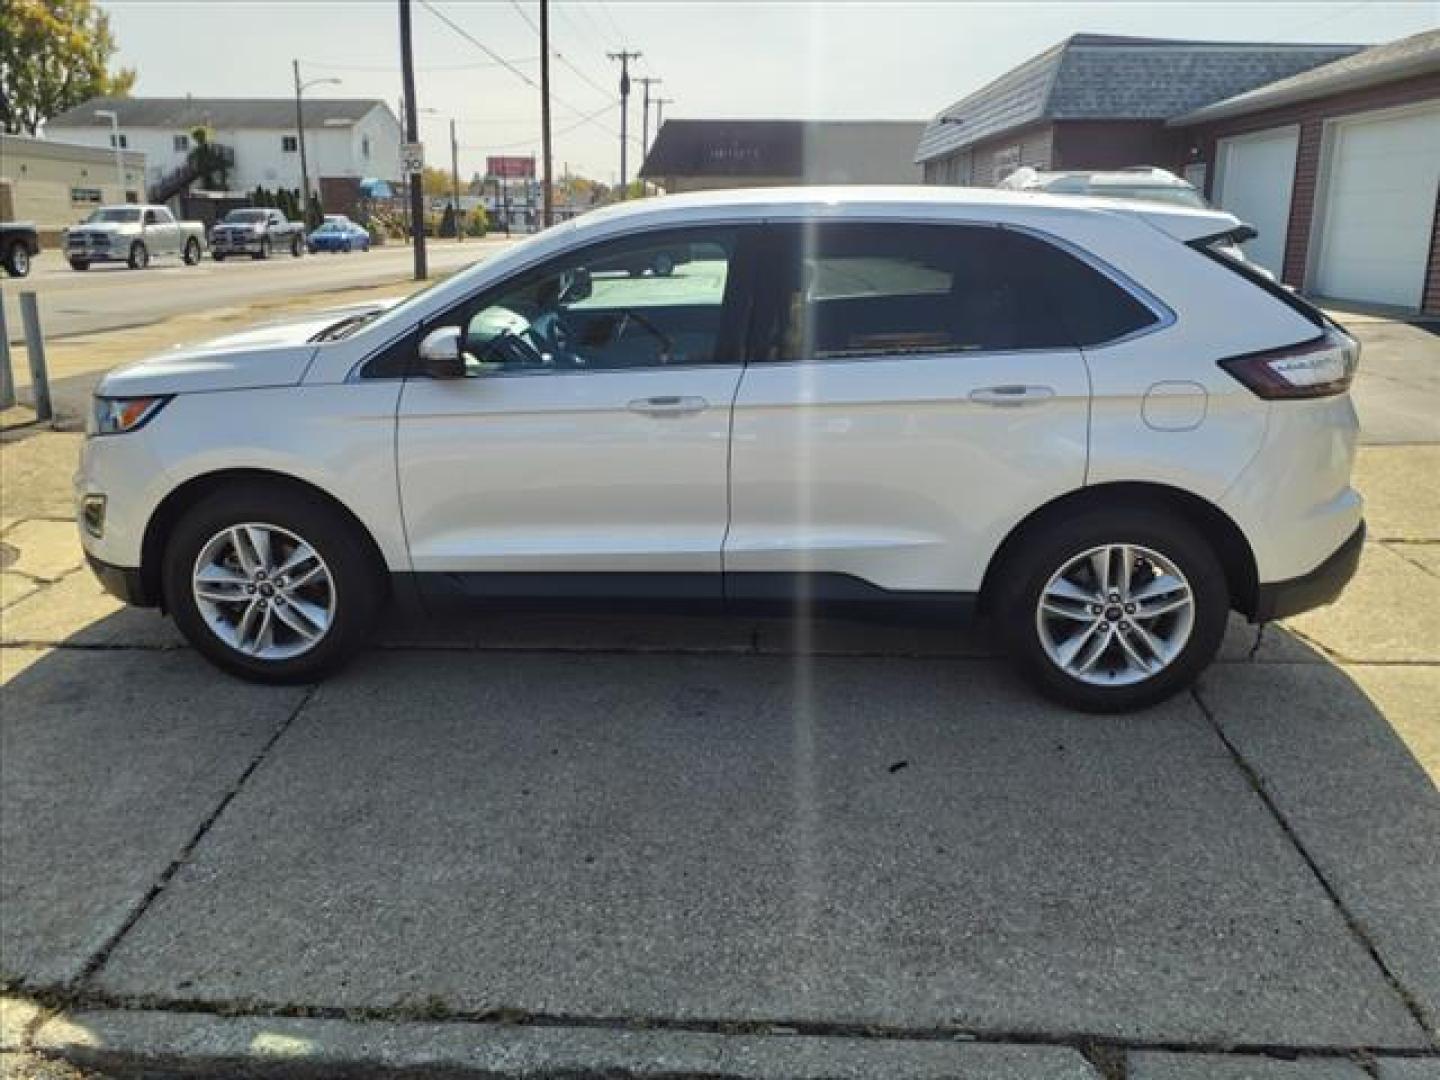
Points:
x=669 y=406
x=1012 y=397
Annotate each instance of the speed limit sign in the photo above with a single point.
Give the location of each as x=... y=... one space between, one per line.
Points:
x=412 y=157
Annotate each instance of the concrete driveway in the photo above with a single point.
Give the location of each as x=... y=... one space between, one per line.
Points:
x=564 y=846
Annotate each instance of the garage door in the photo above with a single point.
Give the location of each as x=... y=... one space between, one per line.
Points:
x=1379 y=207
x=1255 y=176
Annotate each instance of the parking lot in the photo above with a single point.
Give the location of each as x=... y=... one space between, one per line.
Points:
x=669 y=846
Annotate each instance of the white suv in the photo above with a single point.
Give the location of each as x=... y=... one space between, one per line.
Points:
x=1072 y=414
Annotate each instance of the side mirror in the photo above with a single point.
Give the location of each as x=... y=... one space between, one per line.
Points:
x=441 y=356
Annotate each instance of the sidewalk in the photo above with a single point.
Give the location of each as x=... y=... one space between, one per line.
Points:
x=543 y=846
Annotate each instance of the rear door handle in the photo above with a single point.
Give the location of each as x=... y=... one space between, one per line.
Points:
x=669 y=406
x=1012 y=397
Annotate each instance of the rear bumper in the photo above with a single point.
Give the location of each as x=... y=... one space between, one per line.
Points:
x=1281 y=599
x=125 y=583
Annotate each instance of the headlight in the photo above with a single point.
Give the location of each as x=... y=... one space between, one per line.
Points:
x=115 y=416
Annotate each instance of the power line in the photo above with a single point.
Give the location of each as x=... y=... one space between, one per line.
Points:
x=535 y=142
x=427 y=69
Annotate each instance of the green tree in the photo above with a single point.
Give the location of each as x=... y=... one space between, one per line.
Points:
x=54 y=54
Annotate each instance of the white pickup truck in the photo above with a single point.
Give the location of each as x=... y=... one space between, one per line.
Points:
x=133 y=234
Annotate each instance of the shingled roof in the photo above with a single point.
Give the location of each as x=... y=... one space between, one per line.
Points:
x=1418 y=54
x=1106 y=77
x=226 y=113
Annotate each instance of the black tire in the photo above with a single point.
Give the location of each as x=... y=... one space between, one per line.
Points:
x=1045 y=549
x=17 y=259
x=192 y=252
x=264 y=252
x=218 y=256
x=139 y=257
x=296 y=247
x=79 y=264
x=663 y=265
x=358 y=577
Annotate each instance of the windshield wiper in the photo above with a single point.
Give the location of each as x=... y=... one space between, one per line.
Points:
x=345 y=327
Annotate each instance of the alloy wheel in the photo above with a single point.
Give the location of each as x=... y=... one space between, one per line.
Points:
x=1115 y=615
x=264 y=591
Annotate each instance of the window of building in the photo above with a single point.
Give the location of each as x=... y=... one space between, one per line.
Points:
x=181 y=143
x=85 y=196
x=862 y=291
x=124 y=143
x=365 y=146
x=289 y=144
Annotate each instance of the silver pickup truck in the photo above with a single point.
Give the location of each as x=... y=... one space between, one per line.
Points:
x=133 y=234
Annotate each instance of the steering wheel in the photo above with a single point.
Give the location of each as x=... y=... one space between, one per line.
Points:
x=627 y=315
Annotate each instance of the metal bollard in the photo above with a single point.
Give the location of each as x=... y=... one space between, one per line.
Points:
x=35 y=346
x=7 y=376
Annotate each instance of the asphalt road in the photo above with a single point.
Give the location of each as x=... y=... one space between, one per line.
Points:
x=111 y=296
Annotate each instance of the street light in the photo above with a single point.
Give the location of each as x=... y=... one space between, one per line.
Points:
x=110 y=114
x=300 y=88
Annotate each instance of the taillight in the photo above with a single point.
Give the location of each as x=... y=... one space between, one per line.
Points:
x=1320 y=367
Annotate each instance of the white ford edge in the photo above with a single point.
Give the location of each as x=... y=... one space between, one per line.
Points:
x=1077 y=416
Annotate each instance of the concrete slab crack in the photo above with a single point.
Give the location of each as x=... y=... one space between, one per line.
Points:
x=1355 y=926
x=96 y=962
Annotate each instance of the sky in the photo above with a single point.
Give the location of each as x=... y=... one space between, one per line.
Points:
x=822 y=59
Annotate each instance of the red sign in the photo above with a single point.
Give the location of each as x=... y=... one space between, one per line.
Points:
x=511 y=168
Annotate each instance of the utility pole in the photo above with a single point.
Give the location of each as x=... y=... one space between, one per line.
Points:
x=624 y=57
x=455 y=181
x=547 y=177
x=412 y=135
x=646 y=82
x=660 y=103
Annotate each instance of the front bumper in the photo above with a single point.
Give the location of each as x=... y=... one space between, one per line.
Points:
x=1281 y=599
x=125 y=583
x=221 y=246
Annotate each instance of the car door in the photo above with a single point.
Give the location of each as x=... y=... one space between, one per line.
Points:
x=914 y=396
x=590 y=436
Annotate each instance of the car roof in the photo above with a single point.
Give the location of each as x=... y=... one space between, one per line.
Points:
x=840 y=201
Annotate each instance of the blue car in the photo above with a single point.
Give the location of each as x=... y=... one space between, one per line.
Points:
x=338 y=233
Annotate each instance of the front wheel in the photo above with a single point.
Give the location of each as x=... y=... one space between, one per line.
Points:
x=192 y=252
x=264 y=252
x=17 y=259
x=139 y=256
x=1112 y=610
x=270 y=585
x=296 y=247
x=79 y=264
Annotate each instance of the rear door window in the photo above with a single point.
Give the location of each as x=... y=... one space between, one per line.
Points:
x=848 y=291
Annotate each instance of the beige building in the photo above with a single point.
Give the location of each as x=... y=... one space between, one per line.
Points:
x=56 y=184
x=700 y=155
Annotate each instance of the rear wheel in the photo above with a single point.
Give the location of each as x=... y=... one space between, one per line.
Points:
x=192 y=252
x=272 y=585
x=1112 y=610
x=139 y=256
x=79 y=264
x=264 y=252
x=218 y=256
x=663 y=265
x=296 y=247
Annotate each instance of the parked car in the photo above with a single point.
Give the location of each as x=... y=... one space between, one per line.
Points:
x=1078 y=419
x=133 y=234
x=338 y=233
x=258 y=232
x=19 y=243
x=1137 y=182
x=1145 y=183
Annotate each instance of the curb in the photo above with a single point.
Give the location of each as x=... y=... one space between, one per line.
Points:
x=166 y=1044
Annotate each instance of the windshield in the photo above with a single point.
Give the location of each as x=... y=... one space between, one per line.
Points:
x=331 y=226
x=1174 y=195
x=115 y=213
x=241 y=216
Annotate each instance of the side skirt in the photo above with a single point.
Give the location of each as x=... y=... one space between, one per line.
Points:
x=774 y=594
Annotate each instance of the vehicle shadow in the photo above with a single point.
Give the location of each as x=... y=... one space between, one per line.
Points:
x=847 y=746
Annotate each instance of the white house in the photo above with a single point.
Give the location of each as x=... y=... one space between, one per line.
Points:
x=344 y=137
